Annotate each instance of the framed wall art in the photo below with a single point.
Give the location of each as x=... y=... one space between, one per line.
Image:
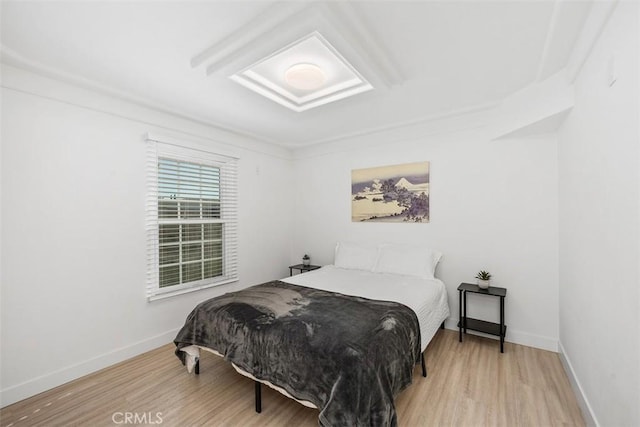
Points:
x=396 y=193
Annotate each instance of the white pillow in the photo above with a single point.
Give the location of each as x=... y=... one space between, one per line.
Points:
x=409 y=260
x=356 y=256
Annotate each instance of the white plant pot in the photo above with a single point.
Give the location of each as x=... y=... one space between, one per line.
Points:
x=483 y=284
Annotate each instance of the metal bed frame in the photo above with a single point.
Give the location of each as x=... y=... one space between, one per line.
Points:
x=258 y=384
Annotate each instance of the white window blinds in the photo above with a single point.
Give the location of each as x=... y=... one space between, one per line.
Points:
x=191 y=220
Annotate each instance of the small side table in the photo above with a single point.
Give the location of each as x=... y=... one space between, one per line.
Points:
x=302 y=268
x=498 y=329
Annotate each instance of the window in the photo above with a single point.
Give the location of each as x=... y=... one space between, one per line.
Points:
x=191 y=220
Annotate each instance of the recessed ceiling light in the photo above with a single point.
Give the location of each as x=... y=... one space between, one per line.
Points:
x=305 y=76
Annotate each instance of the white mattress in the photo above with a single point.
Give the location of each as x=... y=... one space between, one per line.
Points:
x=426 y=297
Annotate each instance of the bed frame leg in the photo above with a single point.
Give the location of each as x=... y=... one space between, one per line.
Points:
x=424 y=366
x=196 y=368
x=258 y=397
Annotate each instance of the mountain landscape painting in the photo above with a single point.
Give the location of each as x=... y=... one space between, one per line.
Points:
x=397 y=193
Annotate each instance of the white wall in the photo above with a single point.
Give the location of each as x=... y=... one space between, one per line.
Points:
x=73 y=233
x=72 y=285
x=493 y=207
x=599 y=232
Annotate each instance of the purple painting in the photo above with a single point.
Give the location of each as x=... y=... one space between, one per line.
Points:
x=398 y=193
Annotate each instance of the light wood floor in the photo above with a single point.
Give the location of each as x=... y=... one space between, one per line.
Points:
x=468 y=384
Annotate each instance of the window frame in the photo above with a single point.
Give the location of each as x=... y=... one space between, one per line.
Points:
x=228 y=188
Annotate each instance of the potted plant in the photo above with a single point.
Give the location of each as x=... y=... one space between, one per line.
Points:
x=306 y=260
x=484 y=279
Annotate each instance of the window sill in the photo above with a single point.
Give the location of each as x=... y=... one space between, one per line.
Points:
x=163 y=294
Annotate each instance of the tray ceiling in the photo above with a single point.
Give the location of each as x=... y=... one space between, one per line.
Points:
x=422 y=59
x=306 y=74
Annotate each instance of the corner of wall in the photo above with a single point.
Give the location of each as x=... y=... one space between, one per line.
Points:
x=583 y=402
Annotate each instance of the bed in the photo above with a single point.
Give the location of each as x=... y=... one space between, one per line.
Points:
x=344 y=338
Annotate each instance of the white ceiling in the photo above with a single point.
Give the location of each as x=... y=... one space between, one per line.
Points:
x=424 y=58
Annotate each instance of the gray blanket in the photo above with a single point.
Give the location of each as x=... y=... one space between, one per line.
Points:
x=347 y=355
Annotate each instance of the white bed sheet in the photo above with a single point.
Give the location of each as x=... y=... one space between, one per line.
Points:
x=426 y=297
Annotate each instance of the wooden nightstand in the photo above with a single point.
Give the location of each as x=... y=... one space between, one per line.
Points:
x=302 y=268
x=498 y=329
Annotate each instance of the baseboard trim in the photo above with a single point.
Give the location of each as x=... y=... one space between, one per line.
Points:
x=532 y=340
x=513 y=336
x=48 y=381
x=587 y=411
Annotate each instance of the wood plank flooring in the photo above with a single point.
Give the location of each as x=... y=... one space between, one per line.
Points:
x=468 y=384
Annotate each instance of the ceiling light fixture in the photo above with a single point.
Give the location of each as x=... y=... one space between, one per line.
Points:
x=305 y=76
